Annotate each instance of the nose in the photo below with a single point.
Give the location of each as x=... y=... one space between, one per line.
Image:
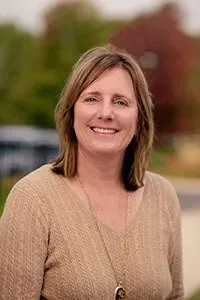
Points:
x=106 y=111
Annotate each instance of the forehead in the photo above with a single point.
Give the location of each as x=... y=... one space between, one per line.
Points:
x=115 y=80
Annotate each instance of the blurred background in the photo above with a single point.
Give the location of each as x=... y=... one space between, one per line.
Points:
x=39 y=43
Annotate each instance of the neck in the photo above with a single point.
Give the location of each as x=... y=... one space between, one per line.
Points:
x=101 y=171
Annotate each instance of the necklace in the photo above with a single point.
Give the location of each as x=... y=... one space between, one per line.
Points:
x=119 y=292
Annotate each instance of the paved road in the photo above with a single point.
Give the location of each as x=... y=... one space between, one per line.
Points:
x=188 y=191
x=189 y=201
x=191 y=250
x=189 y=195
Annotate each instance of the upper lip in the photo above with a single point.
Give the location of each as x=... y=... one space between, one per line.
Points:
x=111 y=128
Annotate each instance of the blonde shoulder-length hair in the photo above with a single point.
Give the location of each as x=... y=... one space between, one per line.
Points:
x=87 y=69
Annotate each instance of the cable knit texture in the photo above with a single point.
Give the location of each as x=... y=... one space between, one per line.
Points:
x=50 y=247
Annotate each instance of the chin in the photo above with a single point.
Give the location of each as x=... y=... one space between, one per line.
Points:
x=106 y=150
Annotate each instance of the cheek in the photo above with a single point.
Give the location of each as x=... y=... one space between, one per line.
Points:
x=80 y=121
x=81 y=114
x=78 y=117
x=132 y=121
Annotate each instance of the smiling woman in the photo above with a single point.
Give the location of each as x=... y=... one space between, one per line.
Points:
x=111 y=87
x=107 y=122
x=95 y=224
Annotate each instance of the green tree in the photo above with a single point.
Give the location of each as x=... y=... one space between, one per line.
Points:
x=17 y=51
x=33 y=68
x=70 y=30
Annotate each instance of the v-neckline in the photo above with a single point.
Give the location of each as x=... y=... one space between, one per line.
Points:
x=106 y=227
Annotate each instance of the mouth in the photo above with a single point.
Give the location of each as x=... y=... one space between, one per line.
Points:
x=104 y=130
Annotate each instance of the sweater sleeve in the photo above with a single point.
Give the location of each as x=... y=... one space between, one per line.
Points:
x=175 y=260
x=23 y=245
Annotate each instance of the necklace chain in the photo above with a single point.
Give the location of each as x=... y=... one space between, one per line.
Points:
x=125 y=241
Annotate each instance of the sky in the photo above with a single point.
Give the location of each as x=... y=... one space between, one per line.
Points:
x=28 y=13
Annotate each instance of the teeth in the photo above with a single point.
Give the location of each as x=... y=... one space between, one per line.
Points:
x=103 y=130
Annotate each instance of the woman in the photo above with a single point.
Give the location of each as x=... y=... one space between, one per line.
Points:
x=95 y=224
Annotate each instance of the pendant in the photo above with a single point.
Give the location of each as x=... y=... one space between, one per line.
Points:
x=119 y=293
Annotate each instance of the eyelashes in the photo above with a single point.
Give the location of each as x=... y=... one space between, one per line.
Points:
x=121 y=102
x=90 y=99
x=118 y=102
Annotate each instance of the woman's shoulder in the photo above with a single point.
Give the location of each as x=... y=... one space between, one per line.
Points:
x=159 y=181
x=30 y=192
x=37 y=186
x=164 y=191
x=38 y=179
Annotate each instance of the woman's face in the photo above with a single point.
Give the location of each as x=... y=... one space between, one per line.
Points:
x=106 y=113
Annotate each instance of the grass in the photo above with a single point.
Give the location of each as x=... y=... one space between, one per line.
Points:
x=6 y=185
x=196 y=296
x=168 y=163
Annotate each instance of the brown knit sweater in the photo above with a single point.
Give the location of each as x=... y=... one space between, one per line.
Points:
x=50 y=248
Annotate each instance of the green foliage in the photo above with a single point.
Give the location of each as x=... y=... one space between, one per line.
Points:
x=33 y=69
x=3 y=196
x=6 y=185
x=17 y=50
x=196 y=296
x=167 y=163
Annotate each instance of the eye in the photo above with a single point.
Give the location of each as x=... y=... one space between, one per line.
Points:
x=121 y=102
x=90 y=99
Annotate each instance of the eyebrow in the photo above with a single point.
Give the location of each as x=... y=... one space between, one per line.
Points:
x=93 y=93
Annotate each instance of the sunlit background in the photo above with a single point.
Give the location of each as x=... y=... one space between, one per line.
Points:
x=40 y=41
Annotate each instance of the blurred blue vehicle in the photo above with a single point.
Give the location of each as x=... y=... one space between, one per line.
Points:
x=24 y=148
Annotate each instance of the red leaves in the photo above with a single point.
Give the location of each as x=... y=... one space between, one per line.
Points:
x=166 y=55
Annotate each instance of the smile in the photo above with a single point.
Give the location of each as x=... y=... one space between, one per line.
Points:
x=104 y=130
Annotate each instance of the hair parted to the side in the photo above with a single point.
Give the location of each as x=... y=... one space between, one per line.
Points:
x=87 y=69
